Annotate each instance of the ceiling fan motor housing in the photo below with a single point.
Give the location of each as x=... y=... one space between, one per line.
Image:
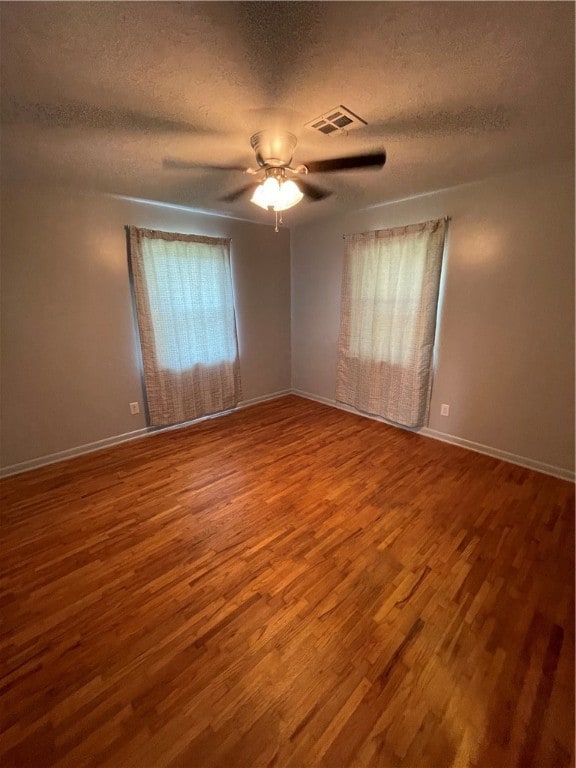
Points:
x=273 y=148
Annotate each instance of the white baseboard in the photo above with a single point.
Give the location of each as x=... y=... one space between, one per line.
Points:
x=496 y=453
x=351 y=409
x=264 y=398
x=108 y=442
x=70 y=453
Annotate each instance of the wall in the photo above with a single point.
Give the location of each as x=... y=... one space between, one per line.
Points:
x=505 y=342
x=70 y=357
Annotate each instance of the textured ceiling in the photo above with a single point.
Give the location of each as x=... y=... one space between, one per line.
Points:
x=98 y=95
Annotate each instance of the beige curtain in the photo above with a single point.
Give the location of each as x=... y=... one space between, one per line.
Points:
x=388 y=319
x=185 y=308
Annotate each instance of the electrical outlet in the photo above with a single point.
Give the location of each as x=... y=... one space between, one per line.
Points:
x=444 y=409
x=134 y=408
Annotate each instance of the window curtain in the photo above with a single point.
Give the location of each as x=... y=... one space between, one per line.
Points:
x=388 y=319
x=185 y=310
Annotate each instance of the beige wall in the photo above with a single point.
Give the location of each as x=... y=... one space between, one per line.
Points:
x=70 y=359
x=505 y=343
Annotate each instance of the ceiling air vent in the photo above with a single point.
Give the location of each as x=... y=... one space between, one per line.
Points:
x=336 y=120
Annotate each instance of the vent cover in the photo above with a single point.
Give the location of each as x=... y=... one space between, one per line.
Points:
x=336 y=120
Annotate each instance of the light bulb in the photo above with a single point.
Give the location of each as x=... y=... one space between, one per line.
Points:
x=289 y=196
x=266 y=194
x=259 y=197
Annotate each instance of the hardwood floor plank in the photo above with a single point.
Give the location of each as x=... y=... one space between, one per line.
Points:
x=288 y=585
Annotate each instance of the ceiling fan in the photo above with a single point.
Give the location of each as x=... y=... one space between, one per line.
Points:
x=278 y=185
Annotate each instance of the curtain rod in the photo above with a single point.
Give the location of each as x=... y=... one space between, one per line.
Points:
x=444 y=218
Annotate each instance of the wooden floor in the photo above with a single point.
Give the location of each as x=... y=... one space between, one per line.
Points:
x=289 y=585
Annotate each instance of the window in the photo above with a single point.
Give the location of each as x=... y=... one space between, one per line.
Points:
x=389 y=302
x=186 y=317
x=191 y=303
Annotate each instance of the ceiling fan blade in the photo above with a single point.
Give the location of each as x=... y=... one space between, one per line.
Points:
x=82 y=115
x=231 y=197
x=444 y=122
x=312 y=191
x=370 y=160
x=184 y=166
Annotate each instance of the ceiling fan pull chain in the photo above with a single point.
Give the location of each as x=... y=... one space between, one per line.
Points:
x=276 y=227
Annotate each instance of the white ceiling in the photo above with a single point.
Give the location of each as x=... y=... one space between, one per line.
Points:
x=98 y=95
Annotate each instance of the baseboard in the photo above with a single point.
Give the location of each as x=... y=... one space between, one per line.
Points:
x=70 y=453
x=264 y=398
x=351 y=409
x=496 y=453
x=109 y=442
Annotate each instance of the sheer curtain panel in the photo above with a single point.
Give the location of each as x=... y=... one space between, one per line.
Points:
x=185 y=308
x=388 y=319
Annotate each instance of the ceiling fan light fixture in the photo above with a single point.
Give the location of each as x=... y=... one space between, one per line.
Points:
x=278 y=195
x=266 y=194
x=271 y=187
x=258 y=198
x=289 y=196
